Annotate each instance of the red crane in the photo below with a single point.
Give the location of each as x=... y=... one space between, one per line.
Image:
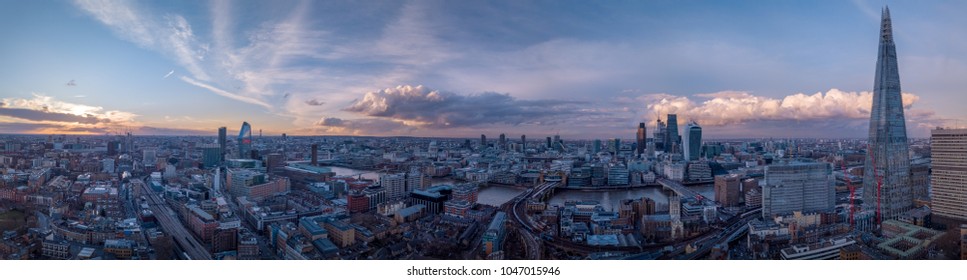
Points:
x=852 y=192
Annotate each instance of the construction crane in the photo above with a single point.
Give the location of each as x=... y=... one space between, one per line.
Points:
x=852 y=193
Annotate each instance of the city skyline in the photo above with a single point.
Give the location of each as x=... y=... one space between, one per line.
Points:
x=443 y=70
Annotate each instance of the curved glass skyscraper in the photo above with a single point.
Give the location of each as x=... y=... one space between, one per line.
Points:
x=244 y=140
x=693 y=141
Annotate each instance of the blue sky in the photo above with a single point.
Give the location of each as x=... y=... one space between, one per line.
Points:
x=461 y=68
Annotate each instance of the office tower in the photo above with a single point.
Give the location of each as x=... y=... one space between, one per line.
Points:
x=149 y=158
x=886 y=174
x=799 y=186
x=557 y=139
x=727 y=190
x=315 y=154
x=523 y=143
x=651 y=147
x=640 y=137
x=549 y=146
x=597 y=146
x=693 y=141
x=617 y=145
x=618 y=175
x=660 y=132
x=222 y=139
x=211 y=155
x=415 y=181
x=245 y=140
x=128 y=143
x=483 y=140
x=394 y=184
x=502 y=142
x=273 y=163
x=107 y=165
x=672 y=141
x=948 y=151
x=112 y=147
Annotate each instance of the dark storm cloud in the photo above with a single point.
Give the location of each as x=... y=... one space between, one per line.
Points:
x=35 y=115
x=314 y=102
x=425 y=107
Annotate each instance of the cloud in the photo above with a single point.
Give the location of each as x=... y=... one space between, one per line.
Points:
x=170 y=34
x=46 y=115
x=736 y=107
x=46 y=108
x=35 y=115
x=314 y=102
x=368 y=126
x=423 y=107
x=224 y=93
x=169 y=74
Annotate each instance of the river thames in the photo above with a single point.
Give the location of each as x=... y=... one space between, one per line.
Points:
x=495 y=195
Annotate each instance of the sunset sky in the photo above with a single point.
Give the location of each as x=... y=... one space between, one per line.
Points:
x=583 y=69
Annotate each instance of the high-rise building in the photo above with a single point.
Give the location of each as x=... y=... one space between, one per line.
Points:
x=394 y=184
x=799 y=186
x=315 y=154
x=222 y=140
x=660 y=131
x=415 y=180
x=549 y=146
x=483 y=140
x=107 y=165
x=502 y=142
x=523 y=143
x=245 y=140
x=693 y=141
x=618 y=175
x=149 y=158
x=886 y=174
x=727 y=190
x=113 y=147
x=672 y=141
x=274 y=163
x=640 y=137
x=128 y=143
x=597 y=146
x=211 y=155
x=948 y=153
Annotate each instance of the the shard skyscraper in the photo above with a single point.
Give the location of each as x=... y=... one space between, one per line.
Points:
x=886 y=176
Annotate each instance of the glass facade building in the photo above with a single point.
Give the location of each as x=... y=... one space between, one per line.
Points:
x=886 y=174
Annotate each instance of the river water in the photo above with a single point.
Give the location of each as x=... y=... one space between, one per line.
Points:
x=496 y=195
x=611 y=199
x=489 y=195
